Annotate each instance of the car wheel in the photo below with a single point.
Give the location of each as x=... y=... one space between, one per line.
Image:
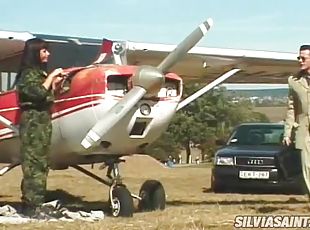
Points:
x=215 y=186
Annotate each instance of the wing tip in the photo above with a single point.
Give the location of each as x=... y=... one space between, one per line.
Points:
x=205 y=26
x=210 y=22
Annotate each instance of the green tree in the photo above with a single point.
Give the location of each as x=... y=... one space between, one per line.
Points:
x=210 y=117
x=163 y=147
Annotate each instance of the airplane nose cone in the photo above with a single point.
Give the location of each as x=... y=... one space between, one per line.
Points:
x=148 y=77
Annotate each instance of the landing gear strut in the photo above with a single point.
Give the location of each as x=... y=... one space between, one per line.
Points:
x=151 y=197
x=8 y=168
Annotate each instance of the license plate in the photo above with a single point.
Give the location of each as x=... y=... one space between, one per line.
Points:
x=254 y=174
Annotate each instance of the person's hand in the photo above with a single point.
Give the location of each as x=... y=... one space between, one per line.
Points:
x=58 y=79
x=56 y=72
x=286 y=141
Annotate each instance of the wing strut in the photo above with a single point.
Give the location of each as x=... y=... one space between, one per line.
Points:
x=7 y=123
x=205 y=89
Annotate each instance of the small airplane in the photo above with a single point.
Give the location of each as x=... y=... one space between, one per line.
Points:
x=124 y=100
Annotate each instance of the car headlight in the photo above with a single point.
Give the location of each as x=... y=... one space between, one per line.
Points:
x=224 y=161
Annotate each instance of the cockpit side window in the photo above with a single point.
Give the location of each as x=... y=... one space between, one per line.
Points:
x=171 y=88
x=118 y=85
x=7 y=81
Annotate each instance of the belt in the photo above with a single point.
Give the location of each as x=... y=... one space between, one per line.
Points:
x=35 y=107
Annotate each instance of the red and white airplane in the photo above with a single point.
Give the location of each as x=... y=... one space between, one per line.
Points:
x=123 y=101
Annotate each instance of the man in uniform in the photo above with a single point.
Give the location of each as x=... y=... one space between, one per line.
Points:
x=298 y=114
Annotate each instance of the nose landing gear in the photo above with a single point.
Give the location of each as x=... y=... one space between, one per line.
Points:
x=151 y=196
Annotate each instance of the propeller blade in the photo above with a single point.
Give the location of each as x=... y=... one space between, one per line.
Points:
x=188 y=43
x=116 y=113
x=146 y=79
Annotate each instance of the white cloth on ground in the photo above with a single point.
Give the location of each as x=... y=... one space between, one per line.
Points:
x=9 y=215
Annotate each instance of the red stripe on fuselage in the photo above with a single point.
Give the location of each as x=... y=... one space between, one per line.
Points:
x=61 y=105
x=55 y=115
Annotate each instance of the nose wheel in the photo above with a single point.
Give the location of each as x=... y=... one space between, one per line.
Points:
x=120 y=198
x=121 y=202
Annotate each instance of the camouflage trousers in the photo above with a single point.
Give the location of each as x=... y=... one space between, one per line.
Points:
x=35 y=133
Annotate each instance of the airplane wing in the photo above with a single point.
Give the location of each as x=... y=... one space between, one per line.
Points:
x=65 y=51
x=11 y=46
x=203 y=64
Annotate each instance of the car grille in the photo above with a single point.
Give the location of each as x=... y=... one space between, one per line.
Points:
x=255 y=161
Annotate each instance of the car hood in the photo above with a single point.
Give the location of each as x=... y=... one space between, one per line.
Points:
x=256 y=150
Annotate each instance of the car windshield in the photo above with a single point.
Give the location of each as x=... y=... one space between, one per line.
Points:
x=257 y=135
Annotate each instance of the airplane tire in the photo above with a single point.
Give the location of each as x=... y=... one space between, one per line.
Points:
x=153 y=196
x=123 y=202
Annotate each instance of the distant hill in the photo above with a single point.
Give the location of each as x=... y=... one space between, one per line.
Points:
x=259 y=93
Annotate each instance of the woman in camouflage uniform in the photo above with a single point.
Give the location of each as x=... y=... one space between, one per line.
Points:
x=35 y=90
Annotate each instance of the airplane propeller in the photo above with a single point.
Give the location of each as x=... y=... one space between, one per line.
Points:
x=189 y=42
x=147 y=79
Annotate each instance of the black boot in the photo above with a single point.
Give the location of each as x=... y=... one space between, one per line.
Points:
x=28 y=210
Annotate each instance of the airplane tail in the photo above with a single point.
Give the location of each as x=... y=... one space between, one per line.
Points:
x=105 y=51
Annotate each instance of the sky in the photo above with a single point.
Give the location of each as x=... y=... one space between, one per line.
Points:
x=275 y=25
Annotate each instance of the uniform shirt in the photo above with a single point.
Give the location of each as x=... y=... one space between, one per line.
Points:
x=32 y=94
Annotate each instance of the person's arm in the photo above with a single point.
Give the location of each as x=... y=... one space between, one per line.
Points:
x=290 y=117
x=31 y=86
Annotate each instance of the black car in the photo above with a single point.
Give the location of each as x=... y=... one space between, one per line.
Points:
x=254 y=157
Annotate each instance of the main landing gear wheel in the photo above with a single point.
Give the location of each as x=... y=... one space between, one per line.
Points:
x=121 y=202
x=153 y=196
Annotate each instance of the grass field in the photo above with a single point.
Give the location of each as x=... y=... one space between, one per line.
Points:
x=190 y=203
x=275 y=114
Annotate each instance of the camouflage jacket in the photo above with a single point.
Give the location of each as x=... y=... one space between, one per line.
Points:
x=32 y=94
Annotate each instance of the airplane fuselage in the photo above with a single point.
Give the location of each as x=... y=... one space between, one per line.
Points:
x=87 y=97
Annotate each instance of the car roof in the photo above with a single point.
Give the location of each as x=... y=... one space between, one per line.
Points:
x=261 y=124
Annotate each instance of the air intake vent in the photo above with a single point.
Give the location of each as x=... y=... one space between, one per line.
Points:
x=138 y=128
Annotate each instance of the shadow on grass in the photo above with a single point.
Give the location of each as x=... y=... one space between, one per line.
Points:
x=235 y=202
x=259 y=205
x=76 y=203
x=73 y=203
x=266 y=191
x=268 y=203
